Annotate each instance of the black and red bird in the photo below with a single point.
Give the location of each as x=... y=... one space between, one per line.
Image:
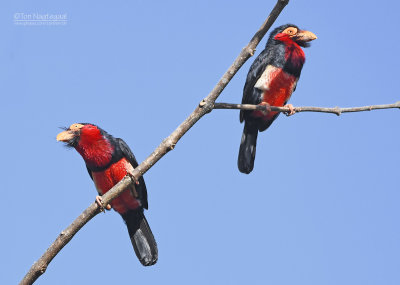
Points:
x=271 y=80
x=108 y=160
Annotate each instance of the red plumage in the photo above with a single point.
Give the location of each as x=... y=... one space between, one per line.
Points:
x=108 y=160
x=105 y=180
x=271 y=80
x=279 y=91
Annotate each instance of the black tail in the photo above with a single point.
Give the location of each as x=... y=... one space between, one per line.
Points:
x=142 y=238
x=247 y=151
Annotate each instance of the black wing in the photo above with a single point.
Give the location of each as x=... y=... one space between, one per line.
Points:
x=91 y=176
x=252 y=95
x=90 y=172
x=141 y=187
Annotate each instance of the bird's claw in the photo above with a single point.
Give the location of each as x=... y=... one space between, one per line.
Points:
x=267 y=106
x=99 y=202
x=291 y=112
x=133 y=177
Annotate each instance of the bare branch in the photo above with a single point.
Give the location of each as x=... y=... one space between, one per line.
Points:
x=39 y=267
x=336 y=110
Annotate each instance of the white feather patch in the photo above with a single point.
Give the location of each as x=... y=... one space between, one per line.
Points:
x=264 y=81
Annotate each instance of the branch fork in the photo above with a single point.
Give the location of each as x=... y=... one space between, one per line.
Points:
x=39 y=267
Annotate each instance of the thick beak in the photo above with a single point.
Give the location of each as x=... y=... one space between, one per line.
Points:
x=65 y=136
x=305 y=36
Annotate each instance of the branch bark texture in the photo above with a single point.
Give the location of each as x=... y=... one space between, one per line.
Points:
x=205 y=106
x=335 y=110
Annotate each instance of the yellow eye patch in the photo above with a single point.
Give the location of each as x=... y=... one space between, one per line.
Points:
x=75 y=127
x=291 y=31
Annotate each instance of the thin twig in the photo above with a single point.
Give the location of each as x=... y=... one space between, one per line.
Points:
x=336 y=110
x=206 y=105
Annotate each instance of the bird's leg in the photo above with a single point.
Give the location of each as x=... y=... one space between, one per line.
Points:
x=268 y=108
x=291 y=110
x=133 y=188
x=99 y=202
x=129 y=173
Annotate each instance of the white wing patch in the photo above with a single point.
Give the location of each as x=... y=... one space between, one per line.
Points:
x=264 y=81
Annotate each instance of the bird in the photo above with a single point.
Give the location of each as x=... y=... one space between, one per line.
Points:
x=108 y=160
x=271 y=80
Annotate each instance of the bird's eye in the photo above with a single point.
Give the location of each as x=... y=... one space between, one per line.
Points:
x=290 y=31
x=75 y=127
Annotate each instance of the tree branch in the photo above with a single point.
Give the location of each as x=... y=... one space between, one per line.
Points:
x=336 y=110
x=205 y=106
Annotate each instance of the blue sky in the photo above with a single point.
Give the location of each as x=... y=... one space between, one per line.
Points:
x=320 y=207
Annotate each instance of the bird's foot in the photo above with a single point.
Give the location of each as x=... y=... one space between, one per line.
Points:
x=267 y=106
x=129 y=173
x=99 y=202
x=133 y=188
x=291 y=110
